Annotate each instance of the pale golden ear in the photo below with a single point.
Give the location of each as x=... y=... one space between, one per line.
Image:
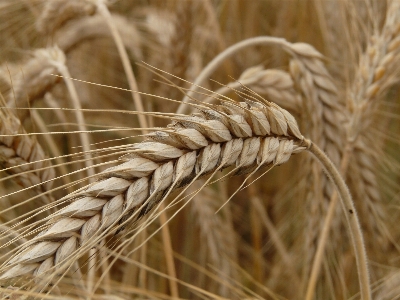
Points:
x=102 y=207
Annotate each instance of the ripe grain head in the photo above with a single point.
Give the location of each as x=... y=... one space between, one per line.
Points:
x=134 y=189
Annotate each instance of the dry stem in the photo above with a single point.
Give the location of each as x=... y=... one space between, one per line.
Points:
x=102 y=8
x=351 y=217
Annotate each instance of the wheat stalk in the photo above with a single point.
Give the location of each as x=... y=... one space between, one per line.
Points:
x=103 y=11
x=220 y=58
x=375 y=72
x=181 y=40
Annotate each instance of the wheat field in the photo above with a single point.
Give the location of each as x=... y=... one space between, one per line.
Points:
x=203 y=149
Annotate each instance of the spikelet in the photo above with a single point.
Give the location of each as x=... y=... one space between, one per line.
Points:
x=276 y=85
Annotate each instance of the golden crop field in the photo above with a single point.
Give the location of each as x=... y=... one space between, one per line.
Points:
x=203 y=149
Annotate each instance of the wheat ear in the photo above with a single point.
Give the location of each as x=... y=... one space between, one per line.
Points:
x=93 y=27
x=23 y=157
x=275 y=85
x=373 y=76
x=56 y=13
x=189 y=148
x=375 y=73
x=34 y=81
x=323 y=117
x=220 y=58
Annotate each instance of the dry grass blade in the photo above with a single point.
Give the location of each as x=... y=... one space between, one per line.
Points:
x=325 y=112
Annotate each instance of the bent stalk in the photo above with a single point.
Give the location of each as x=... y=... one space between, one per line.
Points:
x=351 y=217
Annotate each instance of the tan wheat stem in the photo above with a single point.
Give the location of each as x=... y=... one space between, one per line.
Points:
x=256 y=236
x=105 y=267
x=181 y=39
x=143 y=260
x=323 y=237
x=85 y=141
x=103 y=10
x=181 y=282
x=216 y=29
x=93 y=256
x=351 y=217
